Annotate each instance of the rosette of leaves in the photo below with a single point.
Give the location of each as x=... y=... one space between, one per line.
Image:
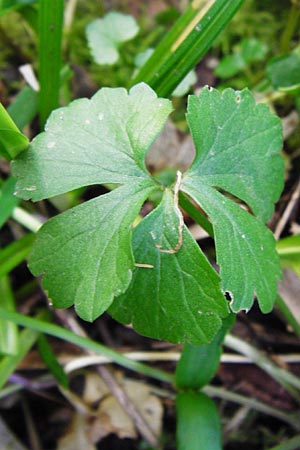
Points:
x=155 y=275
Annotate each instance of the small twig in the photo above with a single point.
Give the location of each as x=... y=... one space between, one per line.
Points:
x=287 y=212
x=141 y=424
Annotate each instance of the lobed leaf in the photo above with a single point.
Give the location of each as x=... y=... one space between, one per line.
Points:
x=245 y=249
x=165 y=286
x=179 y=298
x=102 y=140
x=237 y=145
x=237 y=151
x=85 y=253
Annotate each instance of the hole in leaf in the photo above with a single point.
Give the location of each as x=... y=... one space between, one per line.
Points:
x=228 y=295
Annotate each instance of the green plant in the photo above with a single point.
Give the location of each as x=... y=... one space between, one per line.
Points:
x=161 y=282
x=150 y=271
x=95 y=237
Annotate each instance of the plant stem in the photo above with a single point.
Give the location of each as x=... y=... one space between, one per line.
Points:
x=85 y=343
x=291 y=26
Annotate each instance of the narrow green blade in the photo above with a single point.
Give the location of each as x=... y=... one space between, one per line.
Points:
x=50 y=38
x=185 y=44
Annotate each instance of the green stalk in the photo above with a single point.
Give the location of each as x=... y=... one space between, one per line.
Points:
x=85 y=343
x=198 y=420
x=291 y=26
x=199 y=363
x=50 y=39
x=185 y=44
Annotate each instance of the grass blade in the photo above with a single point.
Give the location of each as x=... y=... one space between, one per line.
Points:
x=85 y=343
x=185 y=44
x=50 y=39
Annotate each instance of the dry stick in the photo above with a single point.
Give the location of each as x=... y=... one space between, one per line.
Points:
x=141 y=424
x=287 y=212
